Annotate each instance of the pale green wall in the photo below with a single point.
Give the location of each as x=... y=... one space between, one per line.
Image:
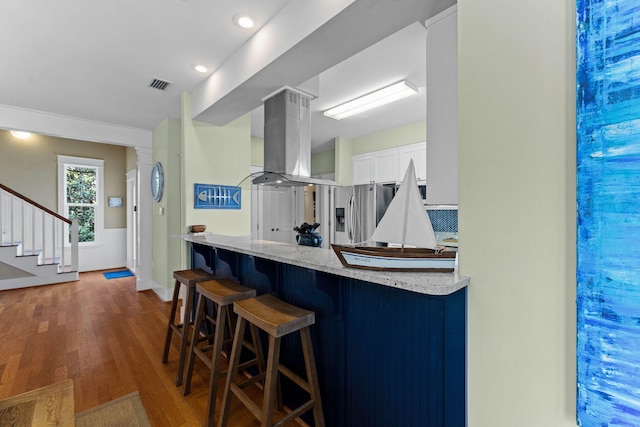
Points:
x=517 y=211
x=212 y=155
x=216 y=155
x=166 y=252
x=344 y=151
x=323 y=162
x=31 y=168
x=257 y=151
x=396 y=137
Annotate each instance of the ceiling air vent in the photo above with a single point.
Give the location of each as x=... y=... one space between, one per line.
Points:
x=159 y=84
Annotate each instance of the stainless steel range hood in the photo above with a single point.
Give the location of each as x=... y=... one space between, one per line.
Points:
x=287 y=140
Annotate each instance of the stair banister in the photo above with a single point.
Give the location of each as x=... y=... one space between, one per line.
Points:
x=25 y=224
x=74 y=244
x=36 y=204
x=22 y=225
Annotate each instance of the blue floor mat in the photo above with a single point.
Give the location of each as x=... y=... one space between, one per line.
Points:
x=117 y=274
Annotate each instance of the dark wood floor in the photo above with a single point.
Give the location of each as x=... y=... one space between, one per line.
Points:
x=108 y=338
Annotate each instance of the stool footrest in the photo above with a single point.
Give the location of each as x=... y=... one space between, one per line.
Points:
x=255 y=410
x=295 y=413
x=254 y=379
x=248 y=364
x=204 y=358
x=295 y=378
x=178 y=328
x=203 y=349
x=250 y=347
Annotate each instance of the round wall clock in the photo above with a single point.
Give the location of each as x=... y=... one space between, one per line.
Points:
x=157 y=181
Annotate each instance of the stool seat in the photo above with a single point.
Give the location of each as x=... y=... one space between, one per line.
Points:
x=273 y=315
x=278 y=319
x=188 y=278
x=224 y=291
x=191 y=277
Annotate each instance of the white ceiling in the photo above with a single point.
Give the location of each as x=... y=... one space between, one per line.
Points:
x=398 y=57
x=94 y=60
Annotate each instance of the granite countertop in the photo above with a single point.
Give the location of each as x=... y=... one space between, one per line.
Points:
x=325 y=260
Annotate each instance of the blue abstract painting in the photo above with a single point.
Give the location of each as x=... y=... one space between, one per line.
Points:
x=211 y=196
x=608 y=198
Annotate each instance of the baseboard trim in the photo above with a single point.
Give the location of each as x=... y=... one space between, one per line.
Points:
x=163 y=293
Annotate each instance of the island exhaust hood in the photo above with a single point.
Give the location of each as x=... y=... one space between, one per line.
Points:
x=287 y=140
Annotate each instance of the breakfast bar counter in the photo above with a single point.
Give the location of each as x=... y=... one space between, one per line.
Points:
x=390 y=347
x=326 y=261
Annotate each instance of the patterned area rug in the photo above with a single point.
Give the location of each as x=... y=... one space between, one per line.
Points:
x=125 y=411
x=18 y=415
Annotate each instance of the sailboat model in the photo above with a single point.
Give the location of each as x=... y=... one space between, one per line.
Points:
x=407 y=230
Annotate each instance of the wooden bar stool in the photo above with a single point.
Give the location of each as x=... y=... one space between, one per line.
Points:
x=222 y=293
x=189 y=278
x=277 y=319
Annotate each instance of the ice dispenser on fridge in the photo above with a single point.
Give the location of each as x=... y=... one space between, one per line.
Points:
x=357 y=210
x=339 y=220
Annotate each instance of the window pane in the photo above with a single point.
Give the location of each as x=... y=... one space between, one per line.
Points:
x=85 y=216
x=81 y=185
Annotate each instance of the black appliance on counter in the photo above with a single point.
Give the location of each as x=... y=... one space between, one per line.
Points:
x=307 y=235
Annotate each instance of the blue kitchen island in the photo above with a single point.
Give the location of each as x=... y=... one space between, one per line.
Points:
x=390 y=347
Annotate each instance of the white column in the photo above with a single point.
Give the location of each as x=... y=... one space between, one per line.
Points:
x=144 y=238
x=442 y=108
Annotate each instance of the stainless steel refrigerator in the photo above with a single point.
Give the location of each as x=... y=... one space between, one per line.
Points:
x=356 y=210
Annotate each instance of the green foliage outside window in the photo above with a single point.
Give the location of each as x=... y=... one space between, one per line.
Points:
x=86 y=222
x=81 y=185
x=81 y=197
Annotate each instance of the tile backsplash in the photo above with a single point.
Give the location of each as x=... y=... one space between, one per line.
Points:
x=444 y=220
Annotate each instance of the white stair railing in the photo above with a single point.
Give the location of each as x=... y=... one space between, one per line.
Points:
x=38 y=231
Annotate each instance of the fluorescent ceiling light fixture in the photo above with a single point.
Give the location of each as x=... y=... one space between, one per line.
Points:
x=20 y=134
x=199 y=68
x=372 y=100
x=243 y=20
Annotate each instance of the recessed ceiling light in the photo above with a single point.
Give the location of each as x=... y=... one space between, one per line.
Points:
x=243 y=20
x=199 y=68
x=20 y=134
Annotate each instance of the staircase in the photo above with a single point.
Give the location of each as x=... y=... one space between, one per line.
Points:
x=38 y=246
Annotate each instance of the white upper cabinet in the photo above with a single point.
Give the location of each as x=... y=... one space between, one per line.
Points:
x=442 y=109
x=386 y=166
x=362 y=169
x=417 y=153
x=377 y=166
x=389 y=166
x=421 y=163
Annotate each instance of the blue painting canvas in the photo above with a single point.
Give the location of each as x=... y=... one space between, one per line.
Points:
x=608 y=198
